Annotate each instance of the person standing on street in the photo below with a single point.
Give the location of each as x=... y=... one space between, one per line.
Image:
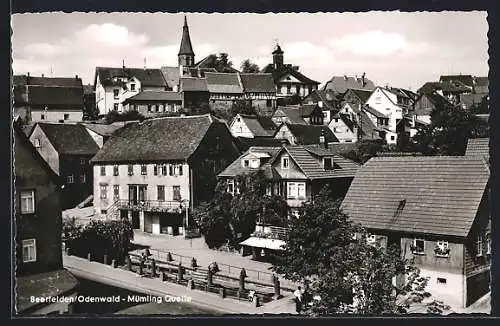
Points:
x=298 y=299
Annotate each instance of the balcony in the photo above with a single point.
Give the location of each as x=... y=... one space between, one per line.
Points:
x=152 y=206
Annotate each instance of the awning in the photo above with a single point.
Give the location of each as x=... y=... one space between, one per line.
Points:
x=272 y=244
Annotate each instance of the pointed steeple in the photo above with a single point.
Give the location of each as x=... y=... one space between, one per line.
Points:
x=186 y=47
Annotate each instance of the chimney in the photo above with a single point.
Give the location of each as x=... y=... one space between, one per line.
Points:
x=76 y=76
x=28 y=73
x=322 y=139
x=43 y=76
x=363 y=79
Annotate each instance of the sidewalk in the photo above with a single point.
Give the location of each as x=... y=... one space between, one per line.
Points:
x=204 y=256
x=125 y=279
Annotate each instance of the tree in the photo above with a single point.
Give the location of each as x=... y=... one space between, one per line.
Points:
x=249 y=67
x=114 y=116
x=366 y=149
x=219 y=62
x=90 y=110
x=325 y=250
x=448 y=132
x=482 y=108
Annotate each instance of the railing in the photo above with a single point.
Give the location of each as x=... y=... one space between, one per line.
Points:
x=151 y=205
x=269 y=231
x=112 y=211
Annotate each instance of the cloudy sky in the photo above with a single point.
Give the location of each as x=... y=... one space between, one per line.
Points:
x=400 y=49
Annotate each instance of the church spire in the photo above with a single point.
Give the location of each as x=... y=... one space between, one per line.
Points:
x=186 y=48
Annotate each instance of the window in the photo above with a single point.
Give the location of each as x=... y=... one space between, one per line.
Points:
x=83 y=178
x=42 y=117
x=418 y=246
x=103 y=170
x=285 y=163
x=144 y=169
x=296 y=190
x=66 y=116
x=442 y=249
x=170 y=169
x=36 y=142
x=371 y=239
x=116 y=191
x=29 y=250
x=289 y=89
x=149 y=107
x=334 y=129
x=164 y=169
x=269 y=103
x=157 y=108
x=488 y=243
x=179 y=169
x=161 y=193
x=27 y=202
x=392 y=137
x=130 y=169
x=103 y=191
x=176 y=192
x=479 y=246
x=83 y=161
x=115 y=106
x=116 y=93
x=115 y=170
x=246 y=163
x=230 y=186
x=328 y=163
x=155 y=169
x=104 y=211
x=132 y=87
x=441 y=280
x=336 y=120
x=70 y=179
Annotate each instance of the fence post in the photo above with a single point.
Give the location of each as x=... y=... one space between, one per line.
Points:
x=113 y=263
x=141 y=266
x=129 y=263
x=169 y=256
x=153 y=267
x=163 y=276
x=194 y=264
x=105 y=259
x=222 y=293
x=209 y=277
x=277 y=288
x=190 y=284
x=243 y=274
x=256 y=301
x=89 y=256
x=179 y=273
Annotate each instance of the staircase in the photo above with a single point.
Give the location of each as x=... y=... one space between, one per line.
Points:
x=113 y=210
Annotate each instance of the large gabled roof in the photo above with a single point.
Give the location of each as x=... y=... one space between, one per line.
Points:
x=70 y=139
x=236 y=168
x=310 y=134
x=193 y=84
x=478 y=147
x=292 y=113
x=171 y=75
x=260 y=126
x=147 y=77
x=157 y=139
x=341 y=84
x=257 y=83
x=465 y=79
x=439 y=195
x=226 y=83
x=288 y=69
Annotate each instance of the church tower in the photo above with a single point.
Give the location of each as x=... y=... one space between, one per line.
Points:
x=186 y=54
x=277 y=58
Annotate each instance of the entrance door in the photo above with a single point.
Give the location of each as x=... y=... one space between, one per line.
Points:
x=132 y=195
x=136 y=194
x=135 y=220
x=148 y=225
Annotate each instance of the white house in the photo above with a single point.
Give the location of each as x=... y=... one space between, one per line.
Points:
x=251 y=126
x=344 y=127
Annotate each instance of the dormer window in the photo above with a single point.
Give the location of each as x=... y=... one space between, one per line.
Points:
x=254 y=164
x=328 y=163
x=132 y=87
x=246 y=163
x=285 y=162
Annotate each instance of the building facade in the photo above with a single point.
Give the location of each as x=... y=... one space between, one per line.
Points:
x=251 y=126
x=152 y=180
x=39 y=269
x=154 y=103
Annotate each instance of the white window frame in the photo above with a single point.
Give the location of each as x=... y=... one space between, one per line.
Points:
x=103 y=191
x=371 y=239
x=285 y=162
x=70 y=178
x=116 y=170
x=488 y=243
x=29 y=243
x=246 y=163
x=116 y=194
x=144 y=169
x=296 y=190
x=415 y=245
x=443 y=245
x=82 y=161
x=36 y=142
x=479 y=246
x=230 y=186
x=27 y=195
x=103 y=171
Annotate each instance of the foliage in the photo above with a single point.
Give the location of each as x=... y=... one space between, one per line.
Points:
x=366 y=149
x=219 y=62
x=344 y=273
x=482 y=108
x=450 y=128
x=90 y=110
x=238 y=106
x=114 y=116
x=226 y=218
x=99 y=238
x=290 y=100
x=249 y=67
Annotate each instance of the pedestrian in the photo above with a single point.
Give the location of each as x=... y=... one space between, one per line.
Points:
x=298 y=299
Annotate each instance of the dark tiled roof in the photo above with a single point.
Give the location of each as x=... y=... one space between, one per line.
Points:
x=442 y=194
x=451 y=86
x=20 y=95
x=333 y=149
x=47 y=81
x=374 y=112
x=159 y=139
x=341 y=84
x=103 y=129
x=470 y=99
x=309 y=134
x=285 y=70
x=312 y=167
x=171 y=75
x=307 y=109
x=292 y=113
x=236 y=168
x=478 y=147
x=43 y=285
x=465 y=79
x=257 y=83
x=147 y=77
x=186 y=47
x=362 y=94
x=244 y=143
x=260 y=126
x=482 y=81
x=155 y=96
x=56 y=97
x=329 y=98
x=192 y=84
x=227 y=83
x=70 y=139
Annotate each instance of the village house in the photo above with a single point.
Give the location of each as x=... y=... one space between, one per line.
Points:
x=287 y=78
x=224 y=88
x=195 y=94
x=39 y=268
x=252 y=126
x=340 y=84
x=353 y=123
x=453 y=90
x=311 y=114
x=296 y=173
x=303 y=134
x=439 y=218
x=153 y=172
x=101 y=132
x=259 y=89
x=48 y=99
x=327 y=100
x=67 y=149
x=425 y=104
x=114 y=85
x=154 y=103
